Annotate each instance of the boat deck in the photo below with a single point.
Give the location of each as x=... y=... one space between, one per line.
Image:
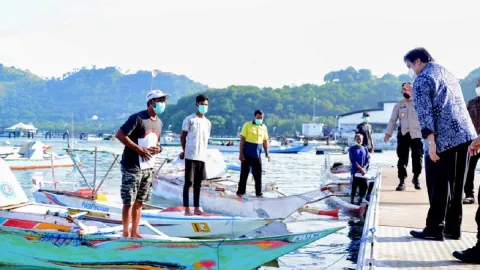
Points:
x=399 y=212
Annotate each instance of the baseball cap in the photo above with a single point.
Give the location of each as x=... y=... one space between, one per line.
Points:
x=156 y=94
x=366 y=114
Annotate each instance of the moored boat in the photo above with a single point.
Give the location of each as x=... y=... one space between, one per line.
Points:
x=172 y=221
x=49 y=236
x=33 y=155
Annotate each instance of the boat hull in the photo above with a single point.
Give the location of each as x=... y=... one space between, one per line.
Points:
x=170 y=222
x=217 y=202
x=65 y=250
x=341 y=202
x=31 y=164
x=275 y=149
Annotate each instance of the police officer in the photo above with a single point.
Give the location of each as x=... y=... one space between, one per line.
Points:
x=409 y=137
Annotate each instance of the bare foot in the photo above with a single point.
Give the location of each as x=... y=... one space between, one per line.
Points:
x=136 y=235
x=188 y=213
x=197 y=211
x=126 y=234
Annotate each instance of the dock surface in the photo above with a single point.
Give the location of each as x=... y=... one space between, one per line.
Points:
x=401 y=211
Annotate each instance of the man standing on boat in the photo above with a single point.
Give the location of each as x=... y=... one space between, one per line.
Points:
x=141 y=136
x=474 y=111
x=253 y=136
x=360 y=160
x=194 y=139
x=366 y=130
x=409 y=137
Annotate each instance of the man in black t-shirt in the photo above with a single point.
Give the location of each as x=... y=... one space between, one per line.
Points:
x=137 y=174
x=366 y=130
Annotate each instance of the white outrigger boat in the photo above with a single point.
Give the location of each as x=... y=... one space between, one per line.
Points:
x=172 y=221
x=33 y=155
x=336 y=187
x=218 y=194
x=51 y=236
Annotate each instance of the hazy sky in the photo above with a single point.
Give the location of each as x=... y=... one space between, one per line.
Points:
x=220 y=43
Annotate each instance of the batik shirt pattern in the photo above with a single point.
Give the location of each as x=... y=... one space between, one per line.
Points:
x=441 y=107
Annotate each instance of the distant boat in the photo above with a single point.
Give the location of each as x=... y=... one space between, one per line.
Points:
x=170 y=139
x=33 y=155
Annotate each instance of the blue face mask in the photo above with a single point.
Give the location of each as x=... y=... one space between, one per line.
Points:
x=203 y=109
x=258 y=121
x=366 y=119
x=159 y=107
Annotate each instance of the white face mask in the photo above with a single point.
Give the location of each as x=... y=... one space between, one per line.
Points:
x=412 y=73
x=477 y=90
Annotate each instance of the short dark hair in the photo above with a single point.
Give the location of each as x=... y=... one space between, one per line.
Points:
x=418 y=53
x=201 y=98
x=403 y=84
x=257 y=112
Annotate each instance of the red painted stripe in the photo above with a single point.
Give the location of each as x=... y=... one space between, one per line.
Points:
x=24 y=224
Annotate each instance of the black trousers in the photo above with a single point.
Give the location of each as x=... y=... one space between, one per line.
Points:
x=477 y=219
x=362 y=185
x=469 y=192
x=446 y=210
x=194 y=173
x=430 y=171
x=256 y=165
x=405 y=143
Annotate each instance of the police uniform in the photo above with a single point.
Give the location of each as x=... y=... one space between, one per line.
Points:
x=409 y=136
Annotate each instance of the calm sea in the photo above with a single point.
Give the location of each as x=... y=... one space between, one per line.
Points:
x=294 y=173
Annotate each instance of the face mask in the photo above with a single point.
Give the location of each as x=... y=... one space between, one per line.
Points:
x=258 y=121
x=365 y=119
x=406 y=95
x=411 y=73
x=203 y=109
x=358 y=144
x=159 y=107
x=477 y=90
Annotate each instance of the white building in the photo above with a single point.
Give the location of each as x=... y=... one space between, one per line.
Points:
x=312 y=129
x=379 y=118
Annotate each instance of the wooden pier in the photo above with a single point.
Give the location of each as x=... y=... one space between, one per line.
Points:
x=391 y=217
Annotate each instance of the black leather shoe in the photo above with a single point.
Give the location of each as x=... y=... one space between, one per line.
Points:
x=469 y=200
x=424 y=234
x=452 y=236
x=471 y=255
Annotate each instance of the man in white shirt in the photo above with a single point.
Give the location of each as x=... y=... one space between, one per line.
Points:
x=194 y=139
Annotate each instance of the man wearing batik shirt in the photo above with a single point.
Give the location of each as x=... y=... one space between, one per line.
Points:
x=447 y=126
x=474 y=110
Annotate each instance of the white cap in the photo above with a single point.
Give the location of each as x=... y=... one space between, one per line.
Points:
x=157 y=94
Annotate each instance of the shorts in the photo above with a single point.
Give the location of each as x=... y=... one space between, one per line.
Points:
x=136 y=185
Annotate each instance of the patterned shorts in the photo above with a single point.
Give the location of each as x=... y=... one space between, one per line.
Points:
x=136 y=185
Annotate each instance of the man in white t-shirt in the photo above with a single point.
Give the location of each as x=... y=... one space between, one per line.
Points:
x=195 y=133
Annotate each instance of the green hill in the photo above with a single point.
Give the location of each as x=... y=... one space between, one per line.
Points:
x=113 y=96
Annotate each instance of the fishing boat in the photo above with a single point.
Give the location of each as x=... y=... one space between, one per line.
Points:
x=336 y=187
x=172 y=221
x=230 y=145
x=49 y=236
x=34 y=155
x=219 y=199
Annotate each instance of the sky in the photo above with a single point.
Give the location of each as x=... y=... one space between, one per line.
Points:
x=220 y=43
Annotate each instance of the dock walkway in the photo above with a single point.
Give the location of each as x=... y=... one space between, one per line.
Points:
x=399 y=212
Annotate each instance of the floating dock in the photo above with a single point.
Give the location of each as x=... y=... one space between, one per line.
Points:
x=390 y=218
